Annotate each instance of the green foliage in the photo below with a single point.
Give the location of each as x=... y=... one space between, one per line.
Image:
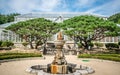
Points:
x=91 y=44
x=84 y=56
x=115 y=18
x=111 y=45
x=99 y=44
x=79 y=45
x=7 y=44
x=0 y=43
x=87 y=28
x=113 y=57
x=18 y=55
x=7 y=18
x=37 y=30
x=25 y=44
x=119 y=43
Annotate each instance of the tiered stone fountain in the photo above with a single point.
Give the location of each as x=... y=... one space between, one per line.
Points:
x=59 y=66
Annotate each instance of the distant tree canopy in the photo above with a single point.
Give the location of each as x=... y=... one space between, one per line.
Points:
x=83 y=29
x=87 y=28
x=115 y=18
x=35 y=30
x=7 y=18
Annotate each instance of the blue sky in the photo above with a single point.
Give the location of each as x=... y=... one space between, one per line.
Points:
x=101 y=7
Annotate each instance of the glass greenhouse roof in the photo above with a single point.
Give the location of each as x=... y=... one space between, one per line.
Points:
x=53 y=15
x=46 y=15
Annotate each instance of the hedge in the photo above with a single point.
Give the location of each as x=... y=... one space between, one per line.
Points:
x=6 y=43
x=18 y=55
x=113 y=57
x=119 y=43
x=99 y=44
x=0 y=43
x=111 y=45
x=25 y=44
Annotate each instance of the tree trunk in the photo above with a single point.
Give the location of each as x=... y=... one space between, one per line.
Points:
x=44 y=48
x=86 y=47
x=36 y=46
x=31 y=45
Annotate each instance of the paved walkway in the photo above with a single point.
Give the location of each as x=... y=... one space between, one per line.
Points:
x=102 y=67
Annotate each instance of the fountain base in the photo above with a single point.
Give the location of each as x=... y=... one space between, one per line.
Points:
x=59 y=69
x=46 y=70
x=59 y=66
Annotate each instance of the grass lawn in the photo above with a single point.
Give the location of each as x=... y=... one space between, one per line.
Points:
x=18 y=55
x=113 y=57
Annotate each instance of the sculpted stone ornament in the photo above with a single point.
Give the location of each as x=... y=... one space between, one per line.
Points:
x=60 y=37
x=59 y=65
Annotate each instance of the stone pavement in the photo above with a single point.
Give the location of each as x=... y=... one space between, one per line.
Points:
x=101 y=67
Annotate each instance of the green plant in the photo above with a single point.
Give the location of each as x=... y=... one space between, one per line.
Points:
x=87 y=28
x=99 y=44
x=113 y=57
x=119 y=43
x=18 y=55
x=91 y=44
x=7 y=44
x=79 y=45
x=25 y=44
x=84 y=56
x=0 y=43
x=111 y=45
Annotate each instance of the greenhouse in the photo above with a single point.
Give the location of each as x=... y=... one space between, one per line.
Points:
x=53 y=16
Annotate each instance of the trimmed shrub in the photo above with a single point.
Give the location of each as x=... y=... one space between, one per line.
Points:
x=113 y=57
x=111 y=45
x=0 y=43
x=84 y=56
x=119 y=43
x=7 y=44
x=25 y=44
x=18 y=55
x=79 y=45
x=91 y=44
x=99 y=44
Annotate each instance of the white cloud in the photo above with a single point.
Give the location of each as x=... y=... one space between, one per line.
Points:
x=107 y=9
x=85 y=3
x=49 y=5
x=22 y=6
x=26 y=6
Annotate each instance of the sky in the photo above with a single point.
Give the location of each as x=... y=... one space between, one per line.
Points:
x=100 y=7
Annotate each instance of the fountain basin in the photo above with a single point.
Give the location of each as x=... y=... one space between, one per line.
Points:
x=43 y=70
x=59 y=66
x=59 y=42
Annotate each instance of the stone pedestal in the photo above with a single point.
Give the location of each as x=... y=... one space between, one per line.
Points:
x=59 y=64
x=59 y=69
x=70 y=52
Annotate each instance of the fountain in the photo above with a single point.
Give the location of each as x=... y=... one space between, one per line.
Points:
x=59 y=66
